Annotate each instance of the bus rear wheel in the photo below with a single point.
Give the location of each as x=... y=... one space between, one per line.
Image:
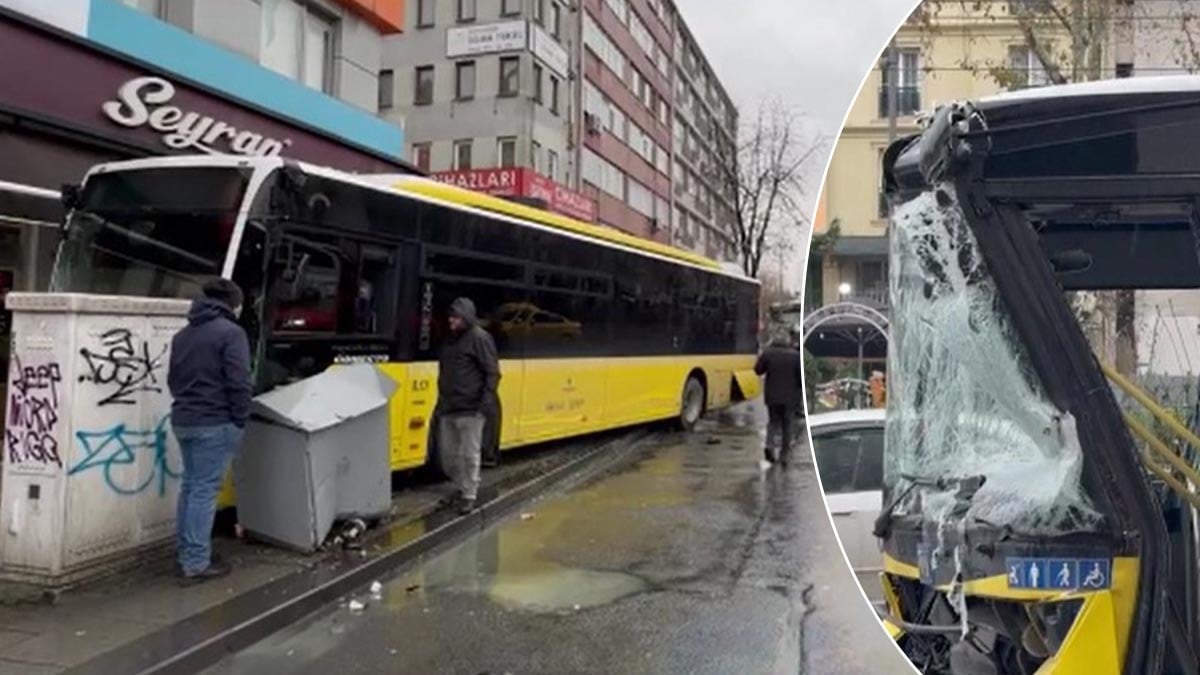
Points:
x=691 y=404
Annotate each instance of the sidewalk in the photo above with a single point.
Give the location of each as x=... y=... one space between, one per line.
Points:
x=37 y=637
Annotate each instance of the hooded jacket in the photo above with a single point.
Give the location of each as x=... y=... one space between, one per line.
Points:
x=209 y=375
x=468 y=370
x=784 y=369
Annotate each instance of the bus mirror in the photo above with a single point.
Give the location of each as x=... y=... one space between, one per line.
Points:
x=69 y=196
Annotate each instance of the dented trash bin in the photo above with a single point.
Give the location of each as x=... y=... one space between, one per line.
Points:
x=316 y=451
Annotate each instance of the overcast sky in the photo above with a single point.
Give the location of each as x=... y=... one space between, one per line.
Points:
x=812 y=54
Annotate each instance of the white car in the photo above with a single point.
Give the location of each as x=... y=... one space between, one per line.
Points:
x=848 y=447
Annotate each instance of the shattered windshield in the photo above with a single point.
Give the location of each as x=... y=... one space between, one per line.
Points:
x=157 y=232
x=964 y=404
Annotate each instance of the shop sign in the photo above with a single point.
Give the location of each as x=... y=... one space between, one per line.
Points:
x=495 y=37
x=146 y=102
x=547 y=49
x=519 y=182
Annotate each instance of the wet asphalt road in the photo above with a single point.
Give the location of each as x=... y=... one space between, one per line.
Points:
x=686 y=559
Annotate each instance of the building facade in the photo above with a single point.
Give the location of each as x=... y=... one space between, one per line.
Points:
x=569 y=103
x=930 y=71
x=704 y=138
x=123 y=80
x=484 y=91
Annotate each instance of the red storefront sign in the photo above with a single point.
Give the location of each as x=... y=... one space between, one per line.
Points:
x=515 y=182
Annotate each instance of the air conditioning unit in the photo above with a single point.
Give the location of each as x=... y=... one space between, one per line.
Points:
x=591 y=123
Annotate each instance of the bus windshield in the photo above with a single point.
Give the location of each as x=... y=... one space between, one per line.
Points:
x=150 y=232
x=971 y=437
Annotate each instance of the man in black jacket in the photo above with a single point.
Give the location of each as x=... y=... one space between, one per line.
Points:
x=468 y=375
x=783 y=367
x=209 y=379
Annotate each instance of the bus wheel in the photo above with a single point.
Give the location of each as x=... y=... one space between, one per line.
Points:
x=692 y=404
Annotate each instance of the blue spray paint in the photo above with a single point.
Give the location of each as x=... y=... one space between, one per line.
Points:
x=119 y=446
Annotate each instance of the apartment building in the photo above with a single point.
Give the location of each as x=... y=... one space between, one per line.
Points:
x=486 y=95
x=929 y=71
x=568 y=104
x=704 y=131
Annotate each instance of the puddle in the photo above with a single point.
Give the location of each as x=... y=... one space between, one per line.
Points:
x=563 y=589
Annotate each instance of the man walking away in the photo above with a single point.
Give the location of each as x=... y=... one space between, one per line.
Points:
x=209 y=379
x=783 y=367
x=468 y=375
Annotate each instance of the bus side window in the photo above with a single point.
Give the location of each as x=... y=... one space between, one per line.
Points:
x=306 y=290
x=375 y=302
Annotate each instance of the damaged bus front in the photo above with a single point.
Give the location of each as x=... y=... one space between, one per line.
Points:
x=1020 y=531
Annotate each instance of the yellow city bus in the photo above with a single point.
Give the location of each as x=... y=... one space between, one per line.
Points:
x=596 y=329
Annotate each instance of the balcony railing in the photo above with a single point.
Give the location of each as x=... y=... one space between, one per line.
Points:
x=872 y=297
x=908 y=101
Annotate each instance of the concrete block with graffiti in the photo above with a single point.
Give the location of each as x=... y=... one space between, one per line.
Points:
x=90 y=467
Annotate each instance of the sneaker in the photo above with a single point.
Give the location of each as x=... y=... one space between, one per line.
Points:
x=215 y=570
x=763 y=465
x=466 y=506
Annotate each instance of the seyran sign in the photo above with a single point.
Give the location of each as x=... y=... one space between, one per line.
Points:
x=145 y=101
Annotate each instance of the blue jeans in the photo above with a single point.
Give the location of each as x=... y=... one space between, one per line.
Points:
x=206 y=454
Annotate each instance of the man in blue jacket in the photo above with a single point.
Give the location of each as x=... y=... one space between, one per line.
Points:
x=209 y=379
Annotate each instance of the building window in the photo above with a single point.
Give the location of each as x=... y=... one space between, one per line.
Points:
x=421 y=155
x=466 y=11
x=555 y=19
x=539 y=12
x=510 y=75
x=387 y=89
x=506 y=150
x=423 y=86
x=552 y=164
x=510 y=7
x=1026 y=67
x=908 y=86
x=425 y=13
x=464 y=80
x=554 y=94
x=535 y=156
x=462 y=155
x=537 y=82
x=297 y=42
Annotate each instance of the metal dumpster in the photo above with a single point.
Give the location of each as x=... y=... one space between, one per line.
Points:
x=316 y=451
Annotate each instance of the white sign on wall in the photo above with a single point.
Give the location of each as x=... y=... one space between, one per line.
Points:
x=547 y=49
x=487 y=39
x=146 y=101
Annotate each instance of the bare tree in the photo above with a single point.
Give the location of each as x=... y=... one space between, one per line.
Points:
x=765 y=176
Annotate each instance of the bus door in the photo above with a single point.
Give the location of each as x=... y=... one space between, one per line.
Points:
x=329 y=299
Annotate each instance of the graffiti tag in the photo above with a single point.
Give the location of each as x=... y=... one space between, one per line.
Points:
x=33 y=414
x=124 y=364
x=118 y=446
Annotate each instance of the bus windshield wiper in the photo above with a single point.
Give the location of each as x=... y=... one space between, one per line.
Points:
x=967 y=487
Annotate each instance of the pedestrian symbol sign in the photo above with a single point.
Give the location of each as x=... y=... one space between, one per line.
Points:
x=1064 y=574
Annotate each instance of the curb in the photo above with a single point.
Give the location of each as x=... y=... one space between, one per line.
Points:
x=202 y=640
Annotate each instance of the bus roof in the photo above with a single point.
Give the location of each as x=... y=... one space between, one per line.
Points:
x=426 y=188
x=457 y=195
